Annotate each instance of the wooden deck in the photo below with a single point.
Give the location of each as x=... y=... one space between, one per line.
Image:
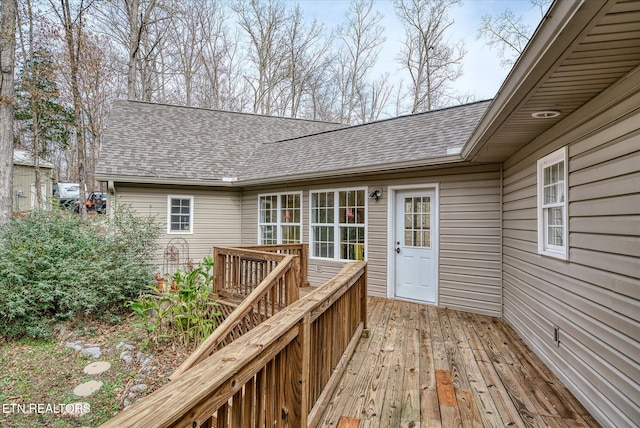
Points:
x=425 y=366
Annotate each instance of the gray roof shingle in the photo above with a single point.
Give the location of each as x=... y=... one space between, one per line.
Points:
x=376 y=145
x=181 y=143
x=165 y=143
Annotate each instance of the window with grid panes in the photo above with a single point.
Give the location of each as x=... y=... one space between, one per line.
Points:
x=179 y=214
x=338 y=224
x=552 y=204
x=280 y=218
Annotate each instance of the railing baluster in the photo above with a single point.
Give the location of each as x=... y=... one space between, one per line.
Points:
x=223 y=416
x=236 y=409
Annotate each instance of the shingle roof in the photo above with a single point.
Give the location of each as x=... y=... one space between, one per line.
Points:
x=165 y=143
x=376 y=145
x=181 y=143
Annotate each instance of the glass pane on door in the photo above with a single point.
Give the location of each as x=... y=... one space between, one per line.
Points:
x=417 y=221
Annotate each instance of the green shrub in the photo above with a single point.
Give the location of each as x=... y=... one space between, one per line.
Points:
x=183 y=312
x=54 y=267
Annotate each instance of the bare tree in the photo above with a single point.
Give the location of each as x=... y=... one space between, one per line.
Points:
x=187 y=39
x=432 y=62
x=73 y=23
x=373 y=98
x=263 y=23
x=97 y=84
x=139 y=27
x=8 y=10
x=324 y=96
x=307 y=55
x=508 y=32
x=139 y=20
x=360 y=40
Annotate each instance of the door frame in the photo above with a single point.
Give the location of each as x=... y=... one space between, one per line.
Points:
x=391 y=223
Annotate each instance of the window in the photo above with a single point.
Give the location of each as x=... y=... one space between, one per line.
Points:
x=280 y=218
x=417 y=221
x=338 y=224
x=552 y=204
x=179 y=214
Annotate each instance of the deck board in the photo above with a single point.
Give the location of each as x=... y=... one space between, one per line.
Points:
x=393 y=377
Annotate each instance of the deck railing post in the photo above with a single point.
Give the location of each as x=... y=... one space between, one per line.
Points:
x=218 y=270
x=293 y=281
x=304 y=261
x=363 y=294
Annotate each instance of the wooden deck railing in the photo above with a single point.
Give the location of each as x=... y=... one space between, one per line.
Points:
x=278 y=289
x=238 y=271
x=300 y=250
x=281 y=373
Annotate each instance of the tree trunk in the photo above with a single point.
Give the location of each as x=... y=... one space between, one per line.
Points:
x=73 y=45
x=7 y=100
x=133 y=8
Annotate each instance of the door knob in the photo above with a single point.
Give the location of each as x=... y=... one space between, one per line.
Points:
x=398 y=250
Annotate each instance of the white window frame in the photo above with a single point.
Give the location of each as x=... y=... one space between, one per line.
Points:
x=279 y=223
x=337 y=226
x=557 y=251
x=191 y=213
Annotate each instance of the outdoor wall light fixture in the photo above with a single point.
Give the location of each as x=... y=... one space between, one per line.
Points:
x=376 y=194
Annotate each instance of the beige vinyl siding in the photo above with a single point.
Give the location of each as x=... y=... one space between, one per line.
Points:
x=469 y=233
x=470 y=277
x=23 y=178
x=216 y=215
x=594 y=296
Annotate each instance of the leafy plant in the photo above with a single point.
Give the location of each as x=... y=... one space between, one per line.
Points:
x=182 y=312
x=54 y=267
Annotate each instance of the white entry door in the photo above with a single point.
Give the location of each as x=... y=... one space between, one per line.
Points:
x=415 y=245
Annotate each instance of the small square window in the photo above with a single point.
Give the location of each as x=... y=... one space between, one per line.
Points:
x=180 y=214
x=552 y=204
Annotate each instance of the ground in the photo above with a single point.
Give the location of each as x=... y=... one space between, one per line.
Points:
x=46 y=372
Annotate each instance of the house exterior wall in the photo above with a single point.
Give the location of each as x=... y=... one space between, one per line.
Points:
x=23 y=178
x=469 y=219
x=216 y=219
x=594 y=296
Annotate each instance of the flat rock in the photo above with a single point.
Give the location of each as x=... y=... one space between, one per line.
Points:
x=139 y=387
x=73 y=345
x=93 y=352
x=125 y=346
x=88 y=388
x=126 y=357
x=97 y=367
x=146 y=364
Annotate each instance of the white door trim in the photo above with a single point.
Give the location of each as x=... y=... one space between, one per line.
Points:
x=391 y=221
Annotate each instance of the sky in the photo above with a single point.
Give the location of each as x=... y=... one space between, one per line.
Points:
x=482 y=72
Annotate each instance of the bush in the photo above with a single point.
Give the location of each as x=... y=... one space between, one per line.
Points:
x=54 y=267
x=183 y=312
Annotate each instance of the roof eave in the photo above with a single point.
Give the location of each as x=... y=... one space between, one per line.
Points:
x=563 y=22
x=45 y=166
x=164 y=180
x=385 y=168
